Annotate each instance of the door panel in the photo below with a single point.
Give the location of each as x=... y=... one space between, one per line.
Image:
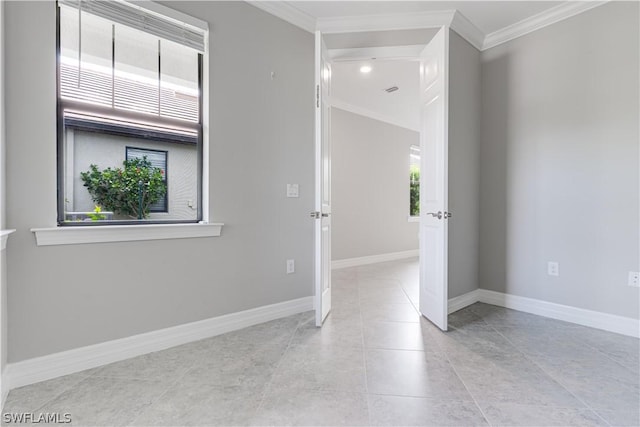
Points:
x=323 y=183
x=433 y=179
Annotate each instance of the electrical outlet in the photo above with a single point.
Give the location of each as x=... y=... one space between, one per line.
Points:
x=634 y=279
x=553 y=268
x=291 y=266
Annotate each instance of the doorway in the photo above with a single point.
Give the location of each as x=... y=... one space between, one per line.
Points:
x=430 y=108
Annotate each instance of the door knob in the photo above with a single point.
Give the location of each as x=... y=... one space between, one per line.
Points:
x=318 y=215
x=447 y=214
x=435 y=215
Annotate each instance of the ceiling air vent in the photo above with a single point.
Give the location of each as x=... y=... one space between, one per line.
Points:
x=391 y=89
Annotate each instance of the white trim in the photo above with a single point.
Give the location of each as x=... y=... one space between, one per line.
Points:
x=288 y=13
x=581 y=316
x=406 y=52
x=336 y=103
x=4 y=390
x=593 y=319
x=67 y=362
x=391 y=21
x=205 y=133
x=163 y=10
x=74 y=235
x=464 y=300
x=467 y=30
x=4 y=236
x=372 y=259
x=413 y=218
x=538 y=21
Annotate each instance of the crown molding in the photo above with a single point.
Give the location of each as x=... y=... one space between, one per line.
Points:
x=394 y=21
x=467 y=30
x=536 y=22
x=285 y=11
x=405 y=21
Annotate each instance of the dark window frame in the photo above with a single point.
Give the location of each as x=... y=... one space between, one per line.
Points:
x=127 y=131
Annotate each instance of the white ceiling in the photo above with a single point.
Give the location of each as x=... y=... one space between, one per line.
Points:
x=364 y=93
x=487 y=16
x=365 y=29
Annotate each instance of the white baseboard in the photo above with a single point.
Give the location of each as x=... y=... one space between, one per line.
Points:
x=593 y=319
x=67 y=362
x=581 y=316
x=4 y=390
x=464 y=300
x=372 y=259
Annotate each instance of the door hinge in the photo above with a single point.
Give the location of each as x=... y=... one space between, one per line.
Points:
x=317 y=96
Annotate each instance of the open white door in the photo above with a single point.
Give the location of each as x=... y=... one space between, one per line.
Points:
x=322 y=212
x=434 y=107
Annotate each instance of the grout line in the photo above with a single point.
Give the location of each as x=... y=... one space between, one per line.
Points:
x=57 y=395
x=169 y=387
x=364 y=350
x=608 y=356
x=160 y=396
x=526 y=356
x=267 y=386
x=453 y=367
x=417 y=310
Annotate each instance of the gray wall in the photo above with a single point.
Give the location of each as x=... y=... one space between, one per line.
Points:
x=559 y=174
x=464 y=164
x=261 y=133
x=3 y=260
x=2 y=124
x=370 y=187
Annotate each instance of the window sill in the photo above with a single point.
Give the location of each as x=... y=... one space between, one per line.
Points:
x=4 y=235
x=123 y=233
x=413 y=219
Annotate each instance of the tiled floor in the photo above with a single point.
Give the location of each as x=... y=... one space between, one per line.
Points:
x=375 y=362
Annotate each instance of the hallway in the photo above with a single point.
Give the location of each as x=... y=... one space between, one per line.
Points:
x=375 y=362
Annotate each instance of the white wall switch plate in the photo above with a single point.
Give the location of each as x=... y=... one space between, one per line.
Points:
x=292 y=190
x=634 y=279
x=553 y=268
x=291 y=266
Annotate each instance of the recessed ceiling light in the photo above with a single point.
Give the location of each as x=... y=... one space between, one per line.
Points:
x=365 y=69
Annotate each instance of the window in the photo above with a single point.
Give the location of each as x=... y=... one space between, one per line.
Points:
x=414 y=181
x=129 y=99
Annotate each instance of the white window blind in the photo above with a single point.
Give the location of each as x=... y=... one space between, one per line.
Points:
x=144 y=20
x=105 y=63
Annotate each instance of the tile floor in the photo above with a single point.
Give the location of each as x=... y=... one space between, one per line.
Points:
x=375 y=362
